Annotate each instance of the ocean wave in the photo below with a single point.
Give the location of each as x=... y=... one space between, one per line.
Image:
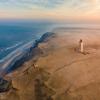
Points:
x=12 y=54
x=13 y=46
x=10 y=48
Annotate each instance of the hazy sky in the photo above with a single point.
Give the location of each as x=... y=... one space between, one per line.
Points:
x=51 y=9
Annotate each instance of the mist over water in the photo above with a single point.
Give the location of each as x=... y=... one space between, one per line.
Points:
x=16 y=37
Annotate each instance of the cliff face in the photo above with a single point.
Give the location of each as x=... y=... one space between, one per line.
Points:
x=29 y=84
x=59 y=72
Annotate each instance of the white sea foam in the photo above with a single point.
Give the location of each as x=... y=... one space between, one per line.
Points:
x=14 y=46
x=15 y=55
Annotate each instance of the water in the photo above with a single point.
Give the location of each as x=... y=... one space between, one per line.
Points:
x=14 y=34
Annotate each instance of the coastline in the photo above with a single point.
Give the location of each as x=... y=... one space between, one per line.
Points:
x=19 y=56
x=55 y=60
x=29 y=75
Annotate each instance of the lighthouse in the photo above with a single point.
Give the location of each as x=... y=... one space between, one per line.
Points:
x=81 y=46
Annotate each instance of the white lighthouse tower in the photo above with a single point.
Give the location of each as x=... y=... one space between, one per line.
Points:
x=81 y=46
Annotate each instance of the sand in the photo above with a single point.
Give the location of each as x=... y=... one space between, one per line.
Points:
x=61 y=73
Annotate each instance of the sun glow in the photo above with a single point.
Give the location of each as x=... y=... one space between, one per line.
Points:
x=74 y=10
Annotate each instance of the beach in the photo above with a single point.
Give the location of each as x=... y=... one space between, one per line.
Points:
x=57 y=71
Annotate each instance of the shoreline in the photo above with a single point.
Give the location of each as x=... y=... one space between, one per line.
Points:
x=22 y=56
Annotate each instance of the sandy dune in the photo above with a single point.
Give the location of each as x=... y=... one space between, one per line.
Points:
x=73 y=75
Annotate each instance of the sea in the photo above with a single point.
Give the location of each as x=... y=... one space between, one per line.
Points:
x=16 y=36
